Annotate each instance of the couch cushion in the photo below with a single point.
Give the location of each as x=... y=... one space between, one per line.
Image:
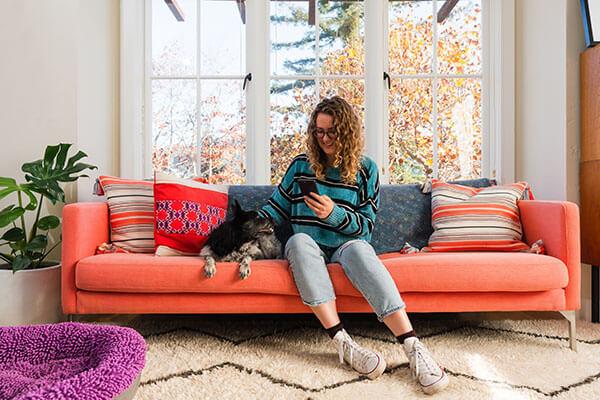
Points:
x=420 y=272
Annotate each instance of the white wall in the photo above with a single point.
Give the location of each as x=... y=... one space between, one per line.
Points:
x=549 y=39
x=38 y=91
x=98 y=89
x=541 y=96
x=59 y=83
x=38 y=102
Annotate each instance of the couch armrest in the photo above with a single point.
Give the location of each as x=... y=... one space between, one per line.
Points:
x=85 y=226
x=557 y=224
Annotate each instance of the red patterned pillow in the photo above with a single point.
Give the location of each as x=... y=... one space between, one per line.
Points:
x=131 y=209
x=465 y=218
x=185 y=213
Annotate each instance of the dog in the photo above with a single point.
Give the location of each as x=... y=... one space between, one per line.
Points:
x=246 y=237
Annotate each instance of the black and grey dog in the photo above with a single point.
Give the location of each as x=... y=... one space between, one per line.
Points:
x=246 y=237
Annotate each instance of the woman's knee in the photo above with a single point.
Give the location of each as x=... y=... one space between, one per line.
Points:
x=301 y=241
x=357 y=250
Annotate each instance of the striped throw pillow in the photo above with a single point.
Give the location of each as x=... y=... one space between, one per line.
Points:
x=131 y=209
x=476 y=219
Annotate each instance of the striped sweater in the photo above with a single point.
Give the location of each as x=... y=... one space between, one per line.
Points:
x=352 y=217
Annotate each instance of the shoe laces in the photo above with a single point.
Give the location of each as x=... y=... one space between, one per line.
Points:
x=421 y=360
x=347 y=343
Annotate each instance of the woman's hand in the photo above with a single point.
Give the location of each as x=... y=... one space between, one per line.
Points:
x=322 y=205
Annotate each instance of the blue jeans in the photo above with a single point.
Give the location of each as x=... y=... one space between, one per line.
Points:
x=360 y=263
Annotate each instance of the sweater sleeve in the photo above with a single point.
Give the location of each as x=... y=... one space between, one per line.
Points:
x=279 y=205
x=359 y=222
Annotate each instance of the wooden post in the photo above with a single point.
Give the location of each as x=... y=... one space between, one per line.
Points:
x=589 y=168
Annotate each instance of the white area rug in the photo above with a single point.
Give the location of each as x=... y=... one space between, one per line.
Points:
x=291 y=357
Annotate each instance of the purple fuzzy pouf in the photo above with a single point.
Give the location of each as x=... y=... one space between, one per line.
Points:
x=69 y=361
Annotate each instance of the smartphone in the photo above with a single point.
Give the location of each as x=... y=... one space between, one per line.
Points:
x=307 y=186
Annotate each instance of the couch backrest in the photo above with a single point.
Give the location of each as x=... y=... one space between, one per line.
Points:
x=404 y=213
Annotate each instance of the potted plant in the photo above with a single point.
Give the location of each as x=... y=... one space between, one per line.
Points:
x=29 y=283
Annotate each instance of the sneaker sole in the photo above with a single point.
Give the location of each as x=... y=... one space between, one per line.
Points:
x=437 y=386
x=376 y=373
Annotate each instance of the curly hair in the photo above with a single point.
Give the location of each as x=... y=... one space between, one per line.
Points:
x=348 y=144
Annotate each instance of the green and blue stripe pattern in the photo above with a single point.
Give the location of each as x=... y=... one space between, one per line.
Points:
x=353 y=215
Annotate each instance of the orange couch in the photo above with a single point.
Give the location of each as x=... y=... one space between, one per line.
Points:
x=428 y=282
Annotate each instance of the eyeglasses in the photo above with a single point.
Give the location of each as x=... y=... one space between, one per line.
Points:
x=320 y=133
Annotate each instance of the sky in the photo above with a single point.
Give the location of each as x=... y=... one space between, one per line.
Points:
x=222 y=35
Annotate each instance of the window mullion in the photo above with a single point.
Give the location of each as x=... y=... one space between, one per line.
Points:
x=199 y=134
x=317 y=71
x=435 y=91
x=147 y=142
x=258 y=165
x=385 y=22
x=375 y=94
x=487 y=90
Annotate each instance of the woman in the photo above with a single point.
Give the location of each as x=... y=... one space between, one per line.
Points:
x=335 y=226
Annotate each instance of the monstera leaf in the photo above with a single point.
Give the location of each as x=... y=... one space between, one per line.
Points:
x=45 y=175
x=9 y=185
x=24 y=248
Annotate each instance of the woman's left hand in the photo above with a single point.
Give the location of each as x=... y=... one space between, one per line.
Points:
x=321 y=204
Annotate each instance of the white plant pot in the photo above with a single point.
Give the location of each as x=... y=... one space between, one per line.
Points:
x=30 y=296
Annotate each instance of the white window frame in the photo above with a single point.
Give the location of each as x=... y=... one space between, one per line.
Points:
x=498 y=91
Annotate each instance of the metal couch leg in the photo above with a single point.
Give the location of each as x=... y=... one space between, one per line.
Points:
x=570 y=316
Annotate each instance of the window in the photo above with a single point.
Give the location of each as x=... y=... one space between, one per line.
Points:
x=435 y=107
x=440 y=116
x=324 y=56
x=198 y=108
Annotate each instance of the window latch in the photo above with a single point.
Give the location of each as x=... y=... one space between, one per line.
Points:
x=386 y=76
x=247 y=78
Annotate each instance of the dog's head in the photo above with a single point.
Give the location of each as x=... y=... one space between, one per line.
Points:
x=251 y=223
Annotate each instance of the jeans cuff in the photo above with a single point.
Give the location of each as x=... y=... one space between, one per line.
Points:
x=317 y=302
x=390 y=311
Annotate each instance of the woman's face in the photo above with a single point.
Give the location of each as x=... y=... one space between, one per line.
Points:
x=323 y=131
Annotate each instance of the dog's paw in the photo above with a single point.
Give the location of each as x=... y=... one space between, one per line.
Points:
x=244 y=273
x=210 y=269
x=245 y=267
x=209 y=272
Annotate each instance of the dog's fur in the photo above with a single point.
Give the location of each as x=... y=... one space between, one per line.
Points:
x=245 y=238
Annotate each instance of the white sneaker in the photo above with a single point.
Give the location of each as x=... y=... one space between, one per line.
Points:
x=362 y=360
x=430 y=374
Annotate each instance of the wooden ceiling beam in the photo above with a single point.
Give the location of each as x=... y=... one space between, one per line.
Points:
x=176 y=10
x=445 y=10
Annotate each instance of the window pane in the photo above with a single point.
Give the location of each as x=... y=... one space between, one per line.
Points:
x=222 y=132
x=459 y=125
x=352 y=90
x=292 y=39
x=173 y=42
x=459 y=43
x=291 y=105
x=341 y=38
x=410 y=37
x=410 y=133
x=174 y=126
x=222 y=39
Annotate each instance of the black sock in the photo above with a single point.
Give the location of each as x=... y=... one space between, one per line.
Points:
x=334 y=329
x=404 y=336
